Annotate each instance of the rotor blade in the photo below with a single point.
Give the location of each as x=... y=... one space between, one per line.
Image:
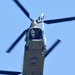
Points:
x=17 y=40
x=59 y=20
x=23 y=9
x=53 y=46
x=9 y=72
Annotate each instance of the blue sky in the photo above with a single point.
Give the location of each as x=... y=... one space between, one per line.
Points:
x=61 y=61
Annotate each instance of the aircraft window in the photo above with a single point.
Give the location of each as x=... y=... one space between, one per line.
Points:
x=35 y=33
x=34 y=61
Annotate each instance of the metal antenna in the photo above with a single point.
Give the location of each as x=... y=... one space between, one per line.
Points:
x=42 y=17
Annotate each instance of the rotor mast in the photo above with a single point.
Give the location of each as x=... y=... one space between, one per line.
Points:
x=34 y=23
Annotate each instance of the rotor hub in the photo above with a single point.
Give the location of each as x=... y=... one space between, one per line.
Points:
x=34 y=23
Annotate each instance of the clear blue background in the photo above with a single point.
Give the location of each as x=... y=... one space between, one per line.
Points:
x=61 y=61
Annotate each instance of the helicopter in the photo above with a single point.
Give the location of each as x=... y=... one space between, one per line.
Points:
x=35 y=49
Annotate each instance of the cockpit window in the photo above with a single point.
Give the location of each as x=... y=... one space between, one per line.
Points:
x=35 y=33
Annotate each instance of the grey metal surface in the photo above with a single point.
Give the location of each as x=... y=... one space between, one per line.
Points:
x=33 y=60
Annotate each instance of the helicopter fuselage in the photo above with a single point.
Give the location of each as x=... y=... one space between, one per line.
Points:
x=33 y=59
